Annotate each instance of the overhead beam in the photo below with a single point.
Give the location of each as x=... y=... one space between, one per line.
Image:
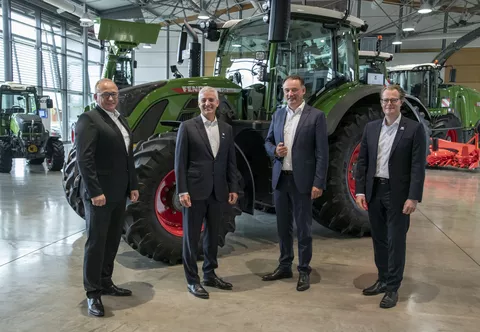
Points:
x=444 y=5
x=217 y=13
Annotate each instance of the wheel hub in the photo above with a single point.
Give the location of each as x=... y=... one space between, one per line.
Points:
x=452 y=135
x=352 y=164
x=167 y=205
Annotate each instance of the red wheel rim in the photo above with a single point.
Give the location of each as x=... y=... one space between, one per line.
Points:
x=350 y=171
x=452 y=135
x=167 y=214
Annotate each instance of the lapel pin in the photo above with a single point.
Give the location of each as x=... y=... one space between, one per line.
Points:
x=223 y=135
x=402 y=128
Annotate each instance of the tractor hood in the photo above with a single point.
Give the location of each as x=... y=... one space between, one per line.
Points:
x=141 y=96
x=23 y=123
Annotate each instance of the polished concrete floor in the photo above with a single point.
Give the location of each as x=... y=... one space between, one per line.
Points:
x=41 y=250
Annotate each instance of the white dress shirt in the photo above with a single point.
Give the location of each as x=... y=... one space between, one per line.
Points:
x=291 y=124
x=211 y=127
x=213 y=134
x=385 y=142
x=114 y=116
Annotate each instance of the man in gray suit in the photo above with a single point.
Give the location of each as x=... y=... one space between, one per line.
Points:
x=205 y=168
x=298 y=141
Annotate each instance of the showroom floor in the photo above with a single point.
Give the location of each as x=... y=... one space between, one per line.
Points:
x=41 y=256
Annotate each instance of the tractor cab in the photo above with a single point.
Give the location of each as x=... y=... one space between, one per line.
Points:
x=372 y=67
x=320 y=47
x=419 y=80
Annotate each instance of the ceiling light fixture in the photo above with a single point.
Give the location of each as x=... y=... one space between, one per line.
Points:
x=203 y=15
x=425 y=8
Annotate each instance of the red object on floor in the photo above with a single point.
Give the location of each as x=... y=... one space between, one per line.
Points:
x=451 y=154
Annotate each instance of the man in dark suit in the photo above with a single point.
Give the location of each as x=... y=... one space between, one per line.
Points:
x=105 y=163
x=298 y=141
x=205 y=169
x=389 y=183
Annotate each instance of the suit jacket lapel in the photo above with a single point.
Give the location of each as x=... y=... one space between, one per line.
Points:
x=283 y=115
x=203 y=133
x=376 y=135
x=398 y=136
x=113 y=125
x=221 y=134
x=303 y=118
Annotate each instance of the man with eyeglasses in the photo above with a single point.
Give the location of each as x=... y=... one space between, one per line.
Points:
x=389 y=183
x=108 y=178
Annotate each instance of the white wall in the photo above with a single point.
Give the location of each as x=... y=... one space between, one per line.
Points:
x=152 y=63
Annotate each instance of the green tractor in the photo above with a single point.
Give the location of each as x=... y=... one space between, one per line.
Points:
x=23 y=134
x=455 y=109
x=252 y=61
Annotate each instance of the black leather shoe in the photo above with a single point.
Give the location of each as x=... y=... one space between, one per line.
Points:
x=216 y=282
x=389 y=300
x=377 y=288
x=198 y=291
x=303 y=282
x=278 y=274
x=116 y=291
x=95 y=307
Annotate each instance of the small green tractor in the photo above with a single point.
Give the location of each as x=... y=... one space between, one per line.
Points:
x=455 y=109
x=252 y=61
x=23 y=134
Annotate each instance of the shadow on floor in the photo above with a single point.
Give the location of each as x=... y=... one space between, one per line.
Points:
x=420 y=292
x=142 y=293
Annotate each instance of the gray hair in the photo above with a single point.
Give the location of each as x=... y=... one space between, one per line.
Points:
x=102 y=80
x=208 y=89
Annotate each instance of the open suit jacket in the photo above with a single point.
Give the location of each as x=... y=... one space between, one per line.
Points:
x=103 y=162
x=197 y=171
x=406 y=165
x=309 y=150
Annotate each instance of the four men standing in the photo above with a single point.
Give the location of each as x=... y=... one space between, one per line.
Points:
x=390 y=176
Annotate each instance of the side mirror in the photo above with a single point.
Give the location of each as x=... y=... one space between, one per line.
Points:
x=182 y=45
x=278 y=20
x=49 y=103
x=453 y=75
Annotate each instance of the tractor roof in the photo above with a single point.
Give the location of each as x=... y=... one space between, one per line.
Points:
x=416 y=67
x=372 y=54
x=17 y=86
x=312 y=11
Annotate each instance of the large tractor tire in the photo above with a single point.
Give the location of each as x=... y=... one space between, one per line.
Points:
x=336 y=209
x=153 y=225
x=71 y=183
x=55 y=155
x=5 y=157
x=440 y=125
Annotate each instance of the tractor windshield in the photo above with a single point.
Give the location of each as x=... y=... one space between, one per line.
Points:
x=18 y=102
x=416 y=83
x=315 y=51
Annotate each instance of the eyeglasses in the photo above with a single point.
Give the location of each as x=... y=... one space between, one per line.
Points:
x=391 y=100
x=107 y=95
